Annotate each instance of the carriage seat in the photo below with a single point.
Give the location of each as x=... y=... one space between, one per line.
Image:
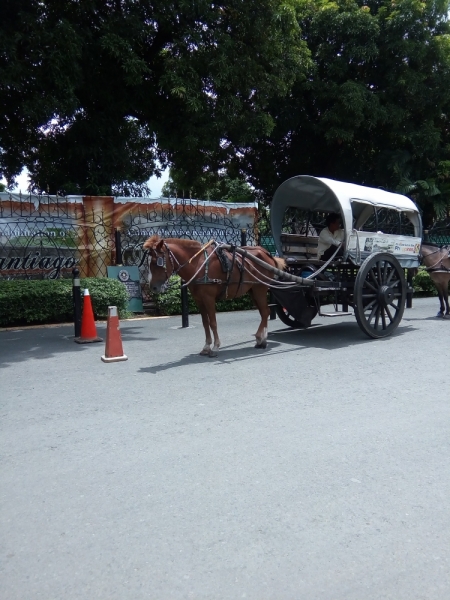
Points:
x=299 y=247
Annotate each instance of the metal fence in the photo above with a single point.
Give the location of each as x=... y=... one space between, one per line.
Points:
x=439 y=233
x=44 y=237
x=187 y=221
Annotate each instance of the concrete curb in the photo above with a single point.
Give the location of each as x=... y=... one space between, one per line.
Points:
x=55 y=325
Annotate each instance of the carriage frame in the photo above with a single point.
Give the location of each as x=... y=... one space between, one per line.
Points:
x=374 y=274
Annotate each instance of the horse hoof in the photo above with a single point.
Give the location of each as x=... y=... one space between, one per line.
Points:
x=440 y=315
x=204 y=353
x=262 y=345
x=212 y=354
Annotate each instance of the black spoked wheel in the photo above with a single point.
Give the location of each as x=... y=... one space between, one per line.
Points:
x=286 y=318
x=379 y=295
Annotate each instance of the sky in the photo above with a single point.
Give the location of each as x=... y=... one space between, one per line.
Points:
x=154 y=183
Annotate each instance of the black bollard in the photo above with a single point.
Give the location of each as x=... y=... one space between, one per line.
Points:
x=410 y=289
x=243 y=237
x=273 y=312
x=184 y=306
x=118 y=241
x=76 y=290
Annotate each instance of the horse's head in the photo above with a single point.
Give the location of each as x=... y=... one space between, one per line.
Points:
x=159 y=261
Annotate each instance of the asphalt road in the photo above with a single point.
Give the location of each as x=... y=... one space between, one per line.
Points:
x=317 y=469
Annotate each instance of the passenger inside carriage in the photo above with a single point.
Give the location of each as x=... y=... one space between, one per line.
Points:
x=331 y=236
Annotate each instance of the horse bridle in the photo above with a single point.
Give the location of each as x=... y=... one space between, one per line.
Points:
x=162 y=262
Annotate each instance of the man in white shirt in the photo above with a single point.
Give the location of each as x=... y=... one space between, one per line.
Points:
x=330 y=237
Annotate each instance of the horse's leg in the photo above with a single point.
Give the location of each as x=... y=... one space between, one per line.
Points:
x=259 y=295
x=441 y=312
x=210 y=304
x=440 y=286
x=208 y=339
x=205 y=320
x=447 y=312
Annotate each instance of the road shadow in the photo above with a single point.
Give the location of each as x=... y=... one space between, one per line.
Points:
x=41 y=344
x=134 y=333
x=227 y=355
x=333 y=336
x=324 y=337
x=435 y=318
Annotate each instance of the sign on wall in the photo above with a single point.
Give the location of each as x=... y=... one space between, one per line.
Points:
x=129 y=277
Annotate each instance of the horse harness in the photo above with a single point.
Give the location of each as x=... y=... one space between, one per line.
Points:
x=438 y=267
x=226 y=263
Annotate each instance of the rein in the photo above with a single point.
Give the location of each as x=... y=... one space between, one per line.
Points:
x=240 y=260
x=205 y=264
x=161 y=262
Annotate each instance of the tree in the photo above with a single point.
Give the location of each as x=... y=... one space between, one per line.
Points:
x=100 y=94
x=379 y=85
x=219 y=187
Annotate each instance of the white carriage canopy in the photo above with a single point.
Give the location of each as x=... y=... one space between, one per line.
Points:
x=355 y=203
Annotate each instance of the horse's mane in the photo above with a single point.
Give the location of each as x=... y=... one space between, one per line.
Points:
x=154 y=239
x=442 y=247
x=184 y=243
x=431 y=244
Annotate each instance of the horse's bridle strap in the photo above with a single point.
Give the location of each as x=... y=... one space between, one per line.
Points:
x=161 y=260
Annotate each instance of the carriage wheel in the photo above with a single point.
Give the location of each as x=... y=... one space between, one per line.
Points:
x=379 y=295
x=286 y=318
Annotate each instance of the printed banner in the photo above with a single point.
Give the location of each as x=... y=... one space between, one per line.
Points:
x=376 y=242
x=46 y=237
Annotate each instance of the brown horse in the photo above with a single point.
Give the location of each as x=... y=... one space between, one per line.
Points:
x=208 y=282
x=437 y=261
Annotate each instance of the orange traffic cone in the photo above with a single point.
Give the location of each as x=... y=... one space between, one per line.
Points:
x=113 y=346
x=88 y=328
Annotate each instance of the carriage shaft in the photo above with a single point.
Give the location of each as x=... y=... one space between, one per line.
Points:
x=281 y=274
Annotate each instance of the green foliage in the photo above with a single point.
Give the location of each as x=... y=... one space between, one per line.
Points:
x=169 y=303
x=94 y=94
x=96 y=100
x=104 y=293
x=45 y=301
x=71 y=162
x=378 y=87
x=423 y=284
x=208 y=186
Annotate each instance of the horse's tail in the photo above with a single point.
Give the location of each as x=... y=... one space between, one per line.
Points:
x=280 y=263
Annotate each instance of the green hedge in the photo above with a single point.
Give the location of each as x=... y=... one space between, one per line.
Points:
x=423 y=284
x=44 y=301
x=169 y=303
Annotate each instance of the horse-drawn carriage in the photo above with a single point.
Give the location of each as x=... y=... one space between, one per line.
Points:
x=381 y=239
